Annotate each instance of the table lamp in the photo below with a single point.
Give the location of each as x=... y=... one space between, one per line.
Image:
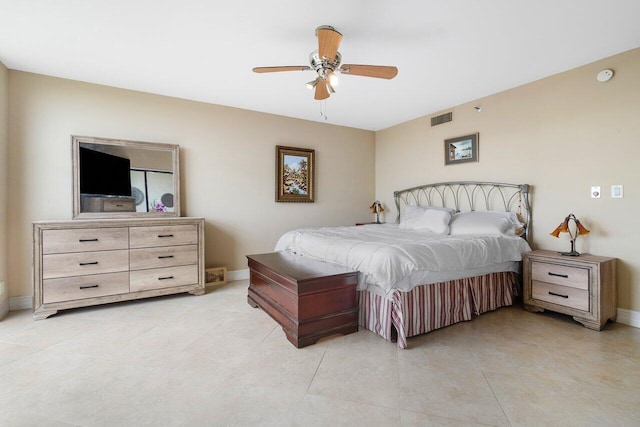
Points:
x=564 y=228
x=376 y=208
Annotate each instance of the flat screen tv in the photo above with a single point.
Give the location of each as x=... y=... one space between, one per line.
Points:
x=103 y=174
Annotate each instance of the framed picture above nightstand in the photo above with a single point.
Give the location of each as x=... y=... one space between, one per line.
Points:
x=584 y=286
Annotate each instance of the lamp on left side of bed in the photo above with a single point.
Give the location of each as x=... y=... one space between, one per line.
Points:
x=376 y=208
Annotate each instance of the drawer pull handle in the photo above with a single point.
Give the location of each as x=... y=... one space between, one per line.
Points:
x=165 y=235
x=564 y=276
x=89 y=263
x=165 y=278
x=165 y=256
x=89 y=286
x=558 y=295
x=119 y=206
x=87 y=240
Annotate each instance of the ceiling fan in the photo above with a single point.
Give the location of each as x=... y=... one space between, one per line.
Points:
x=327 y=60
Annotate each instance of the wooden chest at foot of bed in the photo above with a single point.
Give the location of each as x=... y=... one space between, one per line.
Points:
x=310 y=299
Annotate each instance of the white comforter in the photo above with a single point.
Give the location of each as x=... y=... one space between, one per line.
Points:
x=387 y=255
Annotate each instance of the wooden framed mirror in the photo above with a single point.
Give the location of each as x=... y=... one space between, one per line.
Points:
x=115 y=178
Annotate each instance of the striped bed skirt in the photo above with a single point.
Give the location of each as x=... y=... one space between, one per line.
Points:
x=429 y=307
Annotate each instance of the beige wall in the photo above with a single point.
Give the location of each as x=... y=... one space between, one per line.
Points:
x=227 y=164
x=4 y=135
x=562 y=135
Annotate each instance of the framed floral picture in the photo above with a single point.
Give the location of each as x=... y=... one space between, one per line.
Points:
x=461 y=150
x=295 y=174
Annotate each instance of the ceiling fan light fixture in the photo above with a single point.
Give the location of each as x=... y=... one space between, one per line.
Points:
x=333 y=79
x=312 y=84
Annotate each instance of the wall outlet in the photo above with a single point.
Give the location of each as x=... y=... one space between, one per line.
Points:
x=595 y=192
x=617 y=192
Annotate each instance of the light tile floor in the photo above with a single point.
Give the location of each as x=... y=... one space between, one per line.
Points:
x=213 y=360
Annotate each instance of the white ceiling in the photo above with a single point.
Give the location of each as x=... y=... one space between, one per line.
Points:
x=447 y=52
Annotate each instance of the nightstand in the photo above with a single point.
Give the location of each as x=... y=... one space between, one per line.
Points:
x=584 y=287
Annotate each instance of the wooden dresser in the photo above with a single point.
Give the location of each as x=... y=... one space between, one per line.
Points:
x=88 y=262
x=584 y=286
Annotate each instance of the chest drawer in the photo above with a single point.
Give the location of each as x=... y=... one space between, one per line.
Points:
x=81 y=287
x=157 y=278
x=563 y=275
x=163 y=257
x=170 y=235
x=562 y=295
x=84 y=263
x=84 y=239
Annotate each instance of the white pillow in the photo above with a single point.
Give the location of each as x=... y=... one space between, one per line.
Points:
x=489 y=222
x=433 y=220
x=409 y=215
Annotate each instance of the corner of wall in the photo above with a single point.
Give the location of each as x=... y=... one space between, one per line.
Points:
x=4 y=179
x=4 y=308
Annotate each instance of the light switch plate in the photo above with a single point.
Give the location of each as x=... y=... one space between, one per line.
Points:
x=617 y=191
x=595 y=192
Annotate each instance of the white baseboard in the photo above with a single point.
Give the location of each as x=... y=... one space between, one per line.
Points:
x=629 y=317
x=237 y=275
x=21 y=303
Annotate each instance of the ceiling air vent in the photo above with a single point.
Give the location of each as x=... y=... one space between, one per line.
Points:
x=442 y=118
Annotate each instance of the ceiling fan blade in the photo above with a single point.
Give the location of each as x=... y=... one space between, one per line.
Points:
x=277 y=69
x=379 y=71
x=321 y=90
x=328 y=42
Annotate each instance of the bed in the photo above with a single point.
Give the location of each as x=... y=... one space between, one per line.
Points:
x=453 y=252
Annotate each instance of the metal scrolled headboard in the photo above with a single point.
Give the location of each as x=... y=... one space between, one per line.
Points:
x=471 y=196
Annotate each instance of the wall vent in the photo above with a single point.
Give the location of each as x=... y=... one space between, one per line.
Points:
x=442 y=118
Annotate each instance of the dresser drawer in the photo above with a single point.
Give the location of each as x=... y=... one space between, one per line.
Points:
x=119 y=205
x=81 y=287
x=84 y=263
x=163 y=257
x=84 y=239
x=564 y=275
x=169 y=235
x=562 y=295
x=157 y=278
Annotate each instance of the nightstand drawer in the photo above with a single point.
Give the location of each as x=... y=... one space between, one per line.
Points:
x=564 y=275
x=562 y=295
